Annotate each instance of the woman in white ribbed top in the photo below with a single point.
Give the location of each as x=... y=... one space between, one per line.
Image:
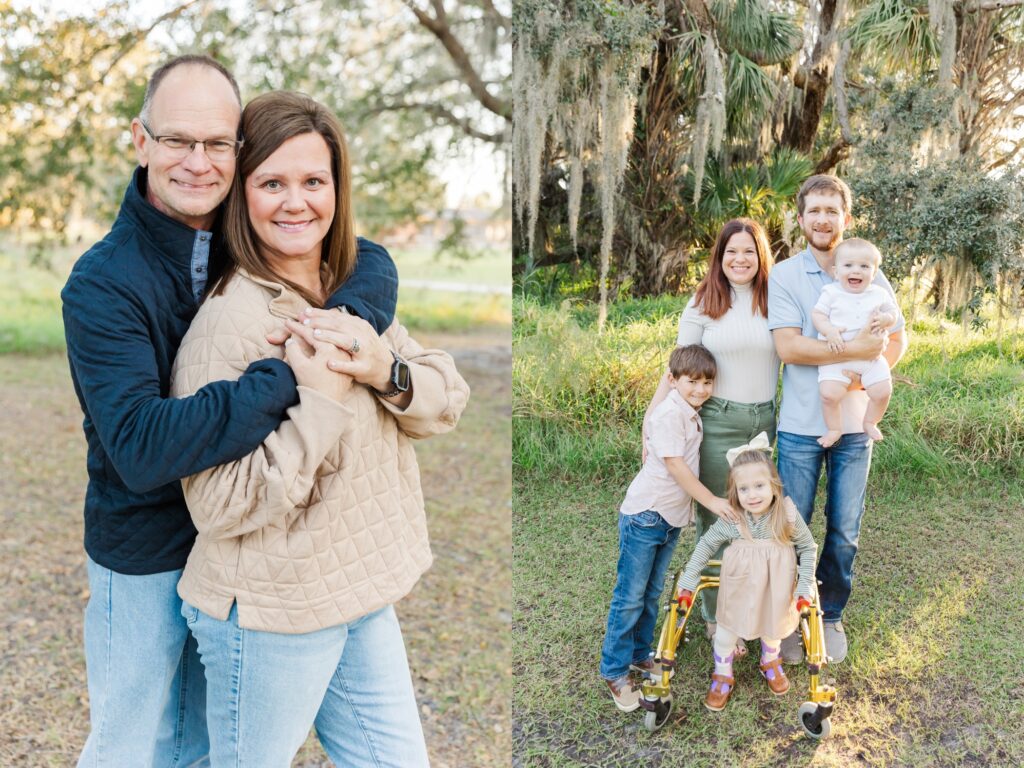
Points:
x=728 y=314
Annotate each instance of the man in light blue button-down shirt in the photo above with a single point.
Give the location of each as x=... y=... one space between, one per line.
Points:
x=823 y=206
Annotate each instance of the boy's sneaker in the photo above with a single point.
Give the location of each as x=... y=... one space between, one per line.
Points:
x=624 y=694
x=792 y=651
x=648 y=667
x=835 y=641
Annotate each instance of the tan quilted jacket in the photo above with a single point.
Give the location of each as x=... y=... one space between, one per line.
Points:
x=324 y=522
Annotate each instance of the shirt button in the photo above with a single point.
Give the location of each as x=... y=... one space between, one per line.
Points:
x=199 y=270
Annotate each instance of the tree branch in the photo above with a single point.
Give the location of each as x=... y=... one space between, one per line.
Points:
x=439 y=28
x=442 y=113
x=835 y=155
x=132 y=39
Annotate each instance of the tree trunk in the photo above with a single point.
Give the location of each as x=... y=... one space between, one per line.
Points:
x=802 y=127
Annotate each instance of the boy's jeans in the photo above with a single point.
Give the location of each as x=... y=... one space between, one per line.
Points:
x=147 y=693
x=846 y=474
x=265 y=690
x=646 y=543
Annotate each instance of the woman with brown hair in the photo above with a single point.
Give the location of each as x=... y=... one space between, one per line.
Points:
x=305 y=544
x=728 y=314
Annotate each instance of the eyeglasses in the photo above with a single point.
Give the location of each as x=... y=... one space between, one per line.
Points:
x=182 y=146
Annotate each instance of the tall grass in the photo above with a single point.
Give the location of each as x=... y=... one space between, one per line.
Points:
x=579 y=396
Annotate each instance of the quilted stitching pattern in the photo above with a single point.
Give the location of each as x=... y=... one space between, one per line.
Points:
x=324 y=523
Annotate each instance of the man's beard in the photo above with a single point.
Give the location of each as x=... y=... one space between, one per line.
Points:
x=834 y=239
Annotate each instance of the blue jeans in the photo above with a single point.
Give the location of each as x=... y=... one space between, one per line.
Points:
x=147 y=692
x=847 y=464
x=646 y=543
x=265 y=690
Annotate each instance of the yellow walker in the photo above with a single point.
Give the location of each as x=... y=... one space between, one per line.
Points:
x=657 y=694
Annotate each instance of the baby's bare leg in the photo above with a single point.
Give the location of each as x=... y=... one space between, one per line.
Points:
x=831 y=393
x=878 y=400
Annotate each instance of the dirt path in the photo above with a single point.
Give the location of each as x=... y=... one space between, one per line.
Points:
x=456 y=621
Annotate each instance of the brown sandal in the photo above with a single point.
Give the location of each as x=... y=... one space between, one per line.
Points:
x=777 y=681
x=716 y=699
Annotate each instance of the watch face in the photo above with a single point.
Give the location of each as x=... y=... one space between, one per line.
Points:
x=400 y=375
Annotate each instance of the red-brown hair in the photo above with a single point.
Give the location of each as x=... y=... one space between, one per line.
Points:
x=714 y=294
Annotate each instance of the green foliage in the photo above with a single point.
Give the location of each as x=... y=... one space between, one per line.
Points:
x=756 y=30
x=930 y=212
x=70 y=82
x=892 y=33
x=763 y=191
x=751 y=92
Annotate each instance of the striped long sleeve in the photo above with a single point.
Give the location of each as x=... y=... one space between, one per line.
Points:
x=723 y=532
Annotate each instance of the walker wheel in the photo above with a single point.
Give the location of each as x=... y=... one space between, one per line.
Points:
x=656 y=718
x=806 y=713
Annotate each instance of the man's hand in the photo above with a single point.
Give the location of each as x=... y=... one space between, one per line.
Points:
x=854 y=378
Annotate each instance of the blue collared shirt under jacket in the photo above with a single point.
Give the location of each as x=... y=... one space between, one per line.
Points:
x=127 y=305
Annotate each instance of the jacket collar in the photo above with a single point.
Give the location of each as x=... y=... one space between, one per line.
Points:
x=286 y=304
x=171 y=238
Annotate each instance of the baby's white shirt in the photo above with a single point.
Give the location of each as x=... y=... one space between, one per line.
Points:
x=851 y=311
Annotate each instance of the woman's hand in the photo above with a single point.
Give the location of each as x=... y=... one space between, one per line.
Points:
x=364 y=356
x=309 y=357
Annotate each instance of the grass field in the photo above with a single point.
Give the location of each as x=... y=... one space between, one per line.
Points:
x=933 y=677
x=456 y=621
x=30 y=317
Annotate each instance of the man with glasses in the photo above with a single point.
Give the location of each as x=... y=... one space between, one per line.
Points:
x=127 y=305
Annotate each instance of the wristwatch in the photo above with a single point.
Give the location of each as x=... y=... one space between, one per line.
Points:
x=399 y=377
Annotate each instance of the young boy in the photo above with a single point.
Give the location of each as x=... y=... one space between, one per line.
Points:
x=843 y=309
x=657 y=505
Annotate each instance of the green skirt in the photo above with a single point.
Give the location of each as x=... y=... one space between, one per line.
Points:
x=727 y=424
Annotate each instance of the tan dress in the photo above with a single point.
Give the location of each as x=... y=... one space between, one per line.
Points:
x=756 y=593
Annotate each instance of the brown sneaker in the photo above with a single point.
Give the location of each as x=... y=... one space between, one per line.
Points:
x=718 y=695
x=625 y=695
x=774 y=676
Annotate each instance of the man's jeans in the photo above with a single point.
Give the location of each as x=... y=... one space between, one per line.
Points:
x=846 y=473
x=266 y=689
x=147 y=693
x=646 y=543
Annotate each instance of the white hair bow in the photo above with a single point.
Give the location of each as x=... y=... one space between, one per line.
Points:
x=759 y=443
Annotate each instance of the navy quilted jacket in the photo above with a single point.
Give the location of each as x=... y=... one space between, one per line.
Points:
x=127 y=305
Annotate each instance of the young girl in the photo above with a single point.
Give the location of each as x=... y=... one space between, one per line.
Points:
x=759 y=569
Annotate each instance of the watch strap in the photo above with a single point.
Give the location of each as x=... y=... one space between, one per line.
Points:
x=395 y=389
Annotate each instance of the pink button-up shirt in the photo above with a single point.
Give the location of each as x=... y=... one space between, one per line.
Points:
x=675 y=431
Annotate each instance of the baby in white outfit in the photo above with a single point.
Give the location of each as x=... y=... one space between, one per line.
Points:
x=843 y=309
